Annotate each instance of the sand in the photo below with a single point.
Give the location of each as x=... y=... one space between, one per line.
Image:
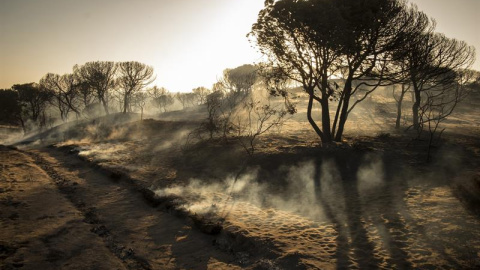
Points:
x=83 y=199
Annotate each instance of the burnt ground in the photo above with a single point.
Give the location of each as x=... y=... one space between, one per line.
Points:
x=68 y=215
x=135 y=195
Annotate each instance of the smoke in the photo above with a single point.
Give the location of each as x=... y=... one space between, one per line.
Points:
x=9 y=134
x=299 y=195
x=299 y=192
x=175 y=139
x=104 y=152
x=370 y=175
x=203 y=198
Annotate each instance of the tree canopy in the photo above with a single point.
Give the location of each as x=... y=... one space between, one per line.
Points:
x=312 y=42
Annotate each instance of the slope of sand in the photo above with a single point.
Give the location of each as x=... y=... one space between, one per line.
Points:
x=57 y=212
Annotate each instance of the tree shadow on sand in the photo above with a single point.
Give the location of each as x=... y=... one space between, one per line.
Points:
x=356 y=194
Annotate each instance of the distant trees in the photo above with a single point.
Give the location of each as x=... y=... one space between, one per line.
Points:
x=133 y=77
x=201 y=93
x=239 y=108
x=186 y=99
x=33 y=101
x=87 y=89
x=240 y=79
x=470 y=79
x=161 y=98
x=310 y=42
x=10 y=108
x=65 y=92
x=98 y=76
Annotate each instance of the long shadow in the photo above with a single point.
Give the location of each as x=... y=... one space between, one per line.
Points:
x=349 y=214
x=392 y=192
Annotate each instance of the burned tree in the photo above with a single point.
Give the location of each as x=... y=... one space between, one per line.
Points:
x=133 y=77
x=240 y=79
x=240 y=109
x=399 y=102
x=139 y=100
x=202 y=94
x=311 y=42
x=65 y=92
x=212 y=124
x=257 y=116
x=186 y=99
x=161 y=98
x=432 y=65
x=11 y=109
x=98 y=76
x=33 y=99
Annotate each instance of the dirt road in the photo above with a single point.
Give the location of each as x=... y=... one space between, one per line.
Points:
x=56 y=212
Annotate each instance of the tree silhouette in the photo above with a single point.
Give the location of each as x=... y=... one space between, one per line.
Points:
x=33 y=100
x=65 y=92
x=202 y=93
x=311 y=42
x=186 y=99
x=161 y=97
x=10 y=108
x=140 y=101
x=240 y=79
x=100 y=77
x=133 y=77
x=432 y=65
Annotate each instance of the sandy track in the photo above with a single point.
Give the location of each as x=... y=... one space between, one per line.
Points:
x=95 y=224
x=40 y=228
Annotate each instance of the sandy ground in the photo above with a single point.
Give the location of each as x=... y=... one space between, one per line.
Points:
x=67 y=215
x=372 y=211
x=367 y=203
x=40 y=228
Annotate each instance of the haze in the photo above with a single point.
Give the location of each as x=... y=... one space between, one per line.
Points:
x=356 y=147
x=187 y=42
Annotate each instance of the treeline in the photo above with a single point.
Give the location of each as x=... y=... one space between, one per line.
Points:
x=92 y=89
x=237 y=107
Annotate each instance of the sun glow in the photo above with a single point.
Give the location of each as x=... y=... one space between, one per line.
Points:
x=189 y=43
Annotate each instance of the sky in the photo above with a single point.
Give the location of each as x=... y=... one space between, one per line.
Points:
x=187 y=42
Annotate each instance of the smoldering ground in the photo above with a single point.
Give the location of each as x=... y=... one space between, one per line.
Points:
x=301 y=187
x=364 y=200
x=367 y=193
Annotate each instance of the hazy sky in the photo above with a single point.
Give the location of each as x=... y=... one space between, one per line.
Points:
x=188 y=42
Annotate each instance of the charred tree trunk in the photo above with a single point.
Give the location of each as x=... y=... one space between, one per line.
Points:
x=310 y=118
x=325 y=110
x=326 y=121
x=22 y=123
x=125 y=103
x=416 y=107
x=105 y=105
x=399 y=107
x=344 y=112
